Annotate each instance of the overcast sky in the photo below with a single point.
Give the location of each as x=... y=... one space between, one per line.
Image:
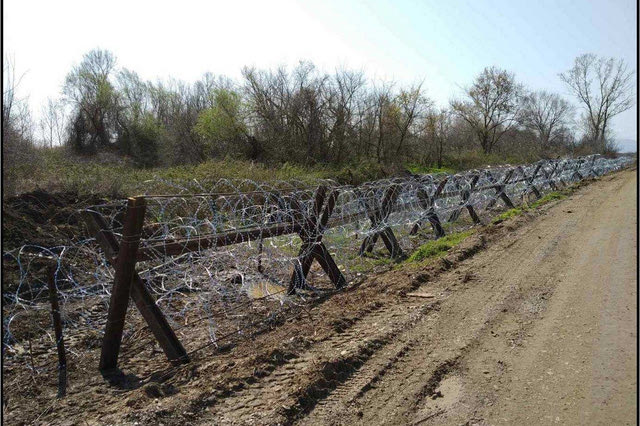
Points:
x=444 y=43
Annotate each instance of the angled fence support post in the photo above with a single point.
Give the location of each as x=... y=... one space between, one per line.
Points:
x=500 y=190
x=530 y=186
x=143 y=300
x=576 y=170
x=562 y=167
x=124 y=269
x=312 y=247
x=549 y=176
x=378 y=219
x=466 y=195
x=592 y=171
x=427 y=203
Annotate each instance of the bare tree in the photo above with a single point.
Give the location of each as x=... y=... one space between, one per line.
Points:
x=17 y=124
x=492 y=107
x=17 y=127
x=381 y=101
x=52 y=122
x=604 y=86
x=342 y=105
x=438 y=129
x=548 y=116
x=411 y=104
x=16 y=118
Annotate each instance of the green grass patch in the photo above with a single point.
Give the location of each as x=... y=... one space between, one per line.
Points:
x=552 y=196
x=507 y=215
x=438 y=247
x=419 y=169
x=368 y=261
x=60 y=170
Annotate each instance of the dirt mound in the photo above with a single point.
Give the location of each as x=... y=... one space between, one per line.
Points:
x=43 y=219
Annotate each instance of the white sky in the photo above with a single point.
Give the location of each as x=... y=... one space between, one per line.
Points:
x=446 y=43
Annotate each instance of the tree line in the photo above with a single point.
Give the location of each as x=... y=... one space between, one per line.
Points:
x=306 y=116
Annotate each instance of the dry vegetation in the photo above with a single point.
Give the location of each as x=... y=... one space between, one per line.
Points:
x=118 y=130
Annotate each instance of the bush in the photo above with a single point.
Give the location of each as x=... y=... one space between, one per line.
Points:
x=358 y=173
x=143 y=140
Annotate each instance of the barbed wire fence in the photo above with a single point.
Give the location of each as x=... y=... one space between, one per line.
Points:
x=212 y=262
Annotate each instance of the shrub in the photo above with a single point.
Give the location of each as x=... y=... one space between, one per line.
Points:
x=143 y=138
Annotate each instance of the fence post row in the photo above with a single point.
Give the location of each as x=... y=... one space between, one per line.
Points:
x=378 y=218
x=312 y=246
x=427 y=203
x=127 y=284
x=123 y=255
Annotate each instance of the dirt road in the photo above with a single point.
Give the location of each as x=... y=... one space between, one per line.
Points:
x=538 y=328
x=532 y=321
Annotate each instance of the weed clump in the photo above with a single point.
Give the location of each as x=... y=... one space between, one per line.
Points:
x=438 y=247
x=553 y=196
x=507 y=215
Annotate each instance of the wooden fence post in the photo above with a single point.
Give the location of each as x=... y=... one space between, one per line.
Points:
x=378 y=218
x=427 y=203
x=143 y=300
x=121 y=291
x=312 y=246
x=466 y=195
x=57 y=327
x=500 y=190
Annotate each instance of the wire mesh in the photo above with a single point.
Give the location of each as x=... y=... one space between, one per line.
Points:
x=218 y=256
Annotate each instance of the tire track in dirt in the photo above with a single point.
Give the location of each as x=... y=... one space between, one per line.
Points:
x=366 y=352
x=513 y=281
x=281 y=396
x=405 y=384
x=579 y=364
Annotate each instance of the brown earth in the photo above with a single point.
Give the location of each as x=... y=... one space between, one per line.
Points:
x=532 y=321
x=42 y=218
